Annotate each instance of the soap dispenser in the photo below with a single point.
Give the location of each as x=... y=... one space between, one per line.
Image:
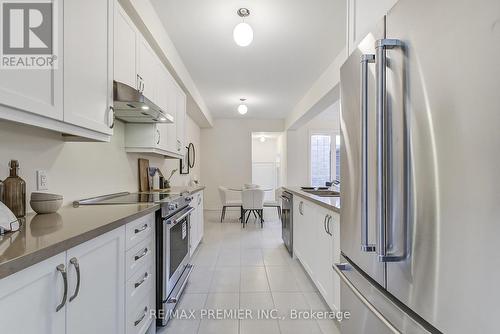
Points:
x=15 y=191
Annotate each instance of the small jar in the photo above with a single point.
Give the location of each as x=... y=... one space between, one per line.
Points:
x=15 y=191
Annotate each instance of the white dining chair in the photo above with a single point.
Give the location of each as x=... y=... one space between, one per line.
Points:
x=226 y=203
x=252 y=202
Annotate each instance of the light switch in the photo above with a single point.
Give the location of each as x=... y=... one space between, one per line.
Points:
x=42 y=181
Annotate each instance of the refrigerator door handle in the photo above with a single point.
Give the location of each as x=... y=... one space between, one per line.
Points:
x=339 y=268
x=365 y=60
x=384 y=159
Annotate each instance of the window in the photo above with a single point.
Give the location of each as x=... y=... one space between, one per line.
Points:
x=321 y=159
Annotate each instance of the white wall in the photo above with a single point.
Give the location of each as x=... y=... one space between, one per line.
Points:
x=227 y=154
x=80 y=170
x=298 y=145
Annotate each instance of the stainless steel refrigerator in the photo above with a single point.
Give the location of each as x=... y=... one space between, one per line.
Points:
x=420 y=171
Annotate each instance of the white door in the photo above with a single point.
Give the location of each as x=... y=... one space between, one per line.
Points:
x=265 y=174
x=88 y=59
x=36 y=91
x=323 y=258
x=29 y=298
x=99 y=306
x=124 y=49
x=147 y=69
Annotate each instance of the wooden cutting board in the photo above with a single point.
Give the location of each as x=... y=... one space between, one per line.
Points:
x=143 y=175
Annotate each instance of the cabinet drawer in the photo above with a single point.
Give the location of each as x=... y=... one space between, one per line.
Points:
x=138 y=256
x=139 y=230
x=139 y=318
x=138 y=286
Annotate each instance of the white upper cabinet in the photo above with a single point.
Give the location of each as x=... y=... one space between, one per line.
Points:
x=35 y=91
x=147 y=69
x=125 y=46
x=137 y=65
x=88 y=70
x=181 y=119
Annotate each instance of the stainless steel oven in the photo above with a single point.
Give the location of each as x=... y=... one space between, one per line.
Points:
x=173 y=267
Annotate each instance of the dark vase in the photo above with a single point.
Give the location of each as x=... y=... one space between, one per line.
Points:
x=15 y=191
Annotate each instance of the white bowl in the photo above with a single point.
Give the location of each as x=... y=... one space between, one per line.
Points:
x=37 y=196
x=49 y=206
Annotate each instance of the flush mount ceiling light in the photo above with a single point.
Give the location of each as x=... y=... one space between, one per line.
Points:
x=262 y=139
x=243 y=32
x=242 y=108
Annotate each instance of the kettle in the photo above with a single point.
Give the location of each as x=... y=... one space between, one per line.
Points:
x=8 y=221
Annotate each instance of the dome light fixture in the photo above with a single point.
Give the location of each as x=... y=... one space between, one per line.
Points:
x=242 y=108
x=262 y=139
x=243 y=32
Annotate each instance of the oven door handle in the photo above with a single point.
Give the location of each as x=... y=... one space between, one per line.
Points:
x=185 y=213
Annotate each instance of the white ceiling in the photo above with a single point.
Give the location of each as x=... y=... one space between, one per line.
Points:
x=294 y=42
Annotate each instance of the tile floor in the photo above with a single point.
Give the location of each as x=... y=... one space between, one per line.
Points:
x=248 y=269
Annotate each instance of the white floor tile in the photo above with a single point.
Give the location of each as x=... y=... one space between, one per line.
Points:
x=223 y=300
x=259 y=327
x=254 y=279
x=218 y=327
x=281 y=279
x=256 y=301
x=226 y=279
x=252 y=257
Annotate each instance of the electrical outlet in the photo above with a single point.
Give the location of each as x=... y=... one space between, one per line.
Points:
x=42 y=181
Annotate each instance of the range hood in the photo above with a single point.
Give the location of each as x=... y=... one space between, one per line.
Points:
x=132 y=107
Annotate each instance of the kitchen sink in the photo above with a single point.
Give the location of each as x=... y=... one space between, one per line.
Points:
x=323 y=193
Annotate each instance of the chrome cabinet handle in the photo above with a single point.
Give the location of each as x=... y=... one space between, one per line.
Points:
x=139 y=230
x=339 y=268
x=138 y=82
x=138 y=284
x=365 y=244
x=383 y=163
x=159 y=136
x=328 y=225
x=300 y=208
x=143 y=254
x=138 y=321
x=75 y=263
x=324 y=223
x=111 y=117
x=62 y=269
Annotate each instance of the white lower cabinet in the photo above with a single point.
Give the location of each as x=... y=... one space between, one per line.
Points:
x=102 y=295
x=196 y=222
x=29 y=298
x=98 y=304
x=317 y=246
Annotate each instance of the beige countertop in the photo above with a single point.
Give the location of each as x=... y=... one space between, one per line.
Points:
x=330 y=203
x=43 y=236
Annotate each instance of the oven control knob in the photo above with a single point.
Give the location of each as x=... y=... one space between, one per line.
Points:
x=189 y=198
x=172 y=206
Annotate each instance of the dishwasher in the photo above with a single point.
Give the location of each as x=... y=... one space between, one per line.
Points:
x=287 y=220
